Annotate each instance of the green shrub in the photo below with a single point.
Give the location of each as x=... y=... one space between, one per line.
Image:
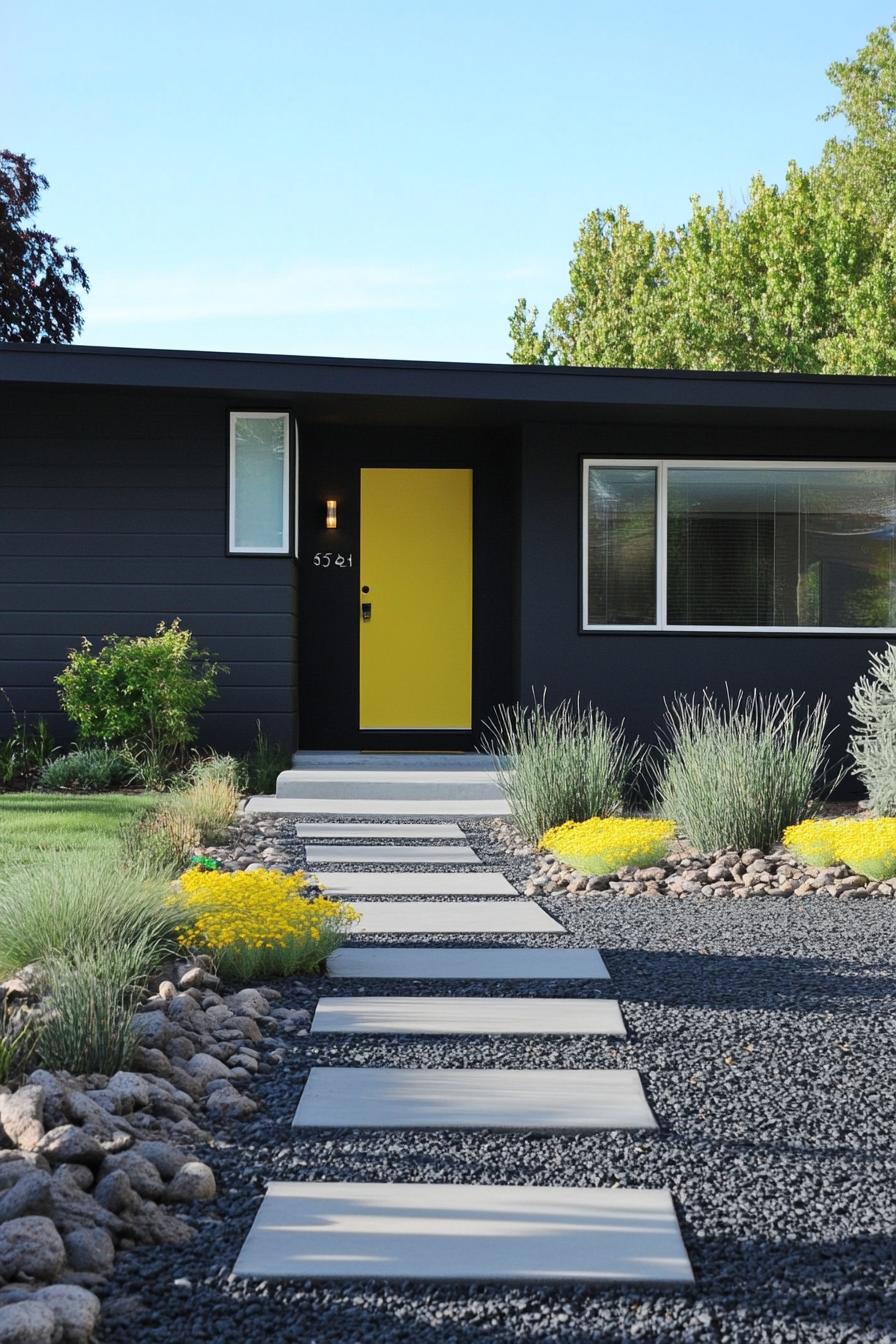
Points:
x=263 y=762
x=873 y=744
x=48 y=908
x=89 y=770
x=92 y=993
x=143 y=694
x=734 y=775
x=565 y=764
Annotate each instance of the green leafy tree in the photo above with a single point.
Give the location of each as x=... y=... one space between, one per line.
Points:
x=801 y=279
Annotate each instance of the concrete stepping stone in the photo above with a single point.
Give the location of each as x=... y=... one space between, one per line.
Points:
x=378 y=830
x=349 y=806
x=429 y=854
x=547 y=1099
x=467 y=963
x=433 y=1016
x=417 y=884
x=452 y=917
x=366 y=1230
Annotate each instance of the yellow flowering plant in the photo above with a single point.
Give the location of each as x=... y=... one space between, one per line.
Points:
x=606 y=844
x=260 y=924
x=865 y=844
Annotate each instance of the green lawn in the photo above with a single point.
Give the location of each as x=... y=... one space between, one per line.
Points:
x=35 y=823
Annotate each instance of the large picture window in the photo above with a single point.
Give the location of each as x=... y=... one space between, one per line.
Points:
x=680 y=545
x=259 y=482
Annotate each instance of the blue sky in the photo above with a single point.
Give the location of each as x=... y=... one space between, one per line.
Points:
x=385 y=179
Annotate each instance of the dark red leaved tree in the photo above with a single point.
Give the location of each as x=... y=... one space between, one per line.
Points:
x=39 y=280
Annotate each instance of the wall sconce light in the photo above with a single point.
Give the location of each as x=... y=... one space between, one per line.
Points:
x=331 y=522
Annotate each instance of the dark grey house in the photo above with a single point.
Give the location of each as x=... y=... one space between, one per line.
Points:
x=381 y=551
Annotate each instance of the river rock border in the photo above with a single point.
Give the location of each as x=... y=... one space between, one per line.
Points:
x=93 y=1165
x=685 y=873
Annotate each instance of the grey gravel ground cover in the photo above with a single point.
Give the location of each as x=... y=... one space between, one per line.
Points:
x=764 y=1033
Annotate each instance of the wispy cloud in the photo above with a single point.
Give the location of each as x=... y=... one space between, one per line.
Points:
x=184 y=296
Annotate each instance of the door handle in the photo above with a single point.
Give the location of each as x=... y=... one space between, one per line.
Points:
x=366 y=608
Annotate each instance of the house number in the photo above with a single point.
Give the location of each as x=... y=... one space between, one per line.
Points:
x=324 y=559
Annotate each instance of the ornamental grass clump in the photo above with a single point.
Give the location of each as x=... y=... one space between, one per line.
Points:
x=867 y=845
x=208 y=806
x=734 y=775
x=605 y=844
x=872 y=746
x=50 y=906
x=91 y=995
x=564 y=764
x=259 y=924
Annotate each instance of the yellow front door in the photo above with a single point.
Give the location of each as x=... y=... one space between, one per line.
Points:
x=416 y=599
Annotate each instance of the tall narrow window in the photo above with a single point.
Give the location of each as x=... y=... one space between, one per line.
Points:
x=259 y=482
x=621 y=545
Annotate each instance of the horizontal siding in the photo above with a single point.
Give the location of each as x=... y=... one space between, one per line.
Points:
x=74 y=623
x=242 y=571
x=48 y=545
x=26 y=673
x=18 y=650
x=113 y=518
x=145 y=597
x=99 y=518
x=253 y=699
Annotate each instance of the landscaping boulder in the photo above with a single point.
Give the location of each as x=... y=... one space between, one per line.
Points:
x=143 y=1176
x=205 y=1068
x=68 y=1143
x=29 y=1322
x=76 y=1310
x=166 y=1159
x=22 y=1116
x=130 y=1090
x=248 y=1002
x=194 y=1180
x=31 y=1194
x=31 y=1248
x=152 y=1029
x=228 y=1104
x=90 y=1250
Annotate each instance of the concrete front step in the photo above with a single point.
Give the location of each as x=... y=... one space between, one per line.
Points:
x=543 y=1099
x=428 y=785
x=468 y=1233
x=350 y=806
x=429 y=1015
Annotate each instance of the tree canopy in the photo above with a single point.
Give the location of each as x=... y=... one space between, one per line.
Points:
x=802 y=279
x=39 y=280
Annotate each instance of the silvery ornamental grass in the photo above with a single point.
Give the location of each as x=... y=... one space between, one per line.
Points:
x=564 y=764
x=733 y=775
x=91 y=995
x=56 y=903
x=872 y=746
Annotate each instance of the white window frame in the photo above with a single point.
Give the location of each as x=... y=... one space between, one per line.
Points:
x=662 y=466
x=288 y=541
